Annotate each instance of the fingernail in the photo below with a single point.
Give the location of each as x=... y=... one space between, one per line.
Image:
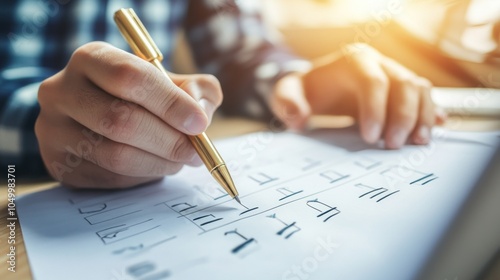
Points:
x=195 y=123
x=207 y=106
x=397 y=139
x=373 y=133
x=423 y=135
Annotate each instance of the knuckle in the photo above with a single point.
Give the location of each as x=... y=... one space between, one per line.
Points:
x=45 y=90
x=170 y=101
x=127 y=77
x=405 y=116
x=424 y=83
x=89 y=51
x=376 y=81
x=407 y=80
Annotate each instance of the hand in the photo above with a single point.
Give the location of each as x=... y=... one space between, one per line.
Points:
x=388 y=100
x=110 y=119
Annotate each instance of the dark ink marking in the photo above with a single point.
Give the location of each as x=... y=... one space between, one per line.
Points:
x=367 y=193
x=209 y=222
x=428 y=181
x=242 y=245
x=247 y=241
x=423 y=178
x=383 y=191
x=288 y=193
x=90 y=210
x=189 y=206
x=287 y=226
x=387 y=195
x=328 y=207
x=248 y=210
x=328 y=211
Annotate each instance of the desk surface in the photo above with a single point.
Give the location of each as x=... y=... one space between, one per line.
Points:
x=221 y=128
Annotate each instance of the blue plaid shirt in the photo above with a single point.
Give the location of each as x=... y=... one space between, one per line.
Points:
x=226 y=37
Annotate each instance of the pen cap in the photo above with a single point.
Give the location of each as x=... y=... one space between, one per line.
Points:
x=136 y=35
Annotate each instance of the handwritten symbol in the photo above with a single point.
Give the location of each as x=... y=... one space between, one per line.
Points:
x=292 y=227
x=378 y=191
x=425 y=179
x=333 y=176
x=124 y=231
x=110 y=214
x=204 y=217
x=287 y=193
x=245 y=243
x=262 y=178
x=367 y=163
x=327 y=210
x=142 y=246
x=92 y=208
x=310 y=163
x=247 y=209
x=179 y=205
x=145 y=269
x=401 y=174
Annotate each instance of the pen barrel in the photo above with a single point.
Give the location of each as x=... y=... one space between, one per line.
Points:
x=206 y=149
x=136 y=35
x=143 y=46
x=213 y=161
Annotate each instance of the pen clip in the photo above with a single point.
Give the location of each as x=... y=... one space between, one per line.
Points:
x=136 y=35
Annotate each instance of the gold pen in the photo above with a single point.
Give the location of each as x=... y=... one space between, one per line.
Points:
x=143 y=46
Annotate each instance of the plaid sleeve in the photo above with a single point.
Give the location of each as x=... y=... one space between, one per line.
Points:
x=18 y=112
x=230 y=41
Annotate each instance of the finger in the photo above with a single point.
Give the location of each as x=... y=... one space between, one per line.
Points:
x=132 y=79
x=441 y=116
x=78 y=144
x=126 y=123
x=73 y=171
x=88 y=175
x=404 y=104
x=426 y=117
x=288 y=102
x=205 y=89
x=372 y=92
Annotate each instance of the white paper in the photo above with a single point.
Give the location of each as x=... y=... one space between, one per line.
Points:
x=322 y=207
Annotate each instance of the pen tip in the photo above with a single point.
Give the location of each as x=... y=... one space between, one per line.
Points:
x=238 y=199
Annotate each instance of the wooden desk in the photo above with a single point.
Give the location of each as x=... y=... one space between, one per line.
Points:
x=220 y=128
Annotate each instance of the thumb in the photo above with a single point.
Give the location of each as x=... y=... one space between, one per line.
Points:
x=288 y=102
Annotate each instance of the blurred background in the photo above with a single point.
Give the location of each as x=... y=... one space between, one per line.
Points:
x=453 y=43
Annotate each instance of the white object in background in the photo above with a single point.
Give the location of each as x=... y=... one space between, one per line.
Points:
x=468 y=101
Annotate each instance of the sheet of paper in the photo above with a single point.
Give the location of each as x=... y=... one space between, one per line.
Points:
x=325 y=206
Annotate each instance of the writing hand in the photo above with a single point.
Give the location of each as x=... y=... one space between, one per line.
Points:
x=110 y=119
